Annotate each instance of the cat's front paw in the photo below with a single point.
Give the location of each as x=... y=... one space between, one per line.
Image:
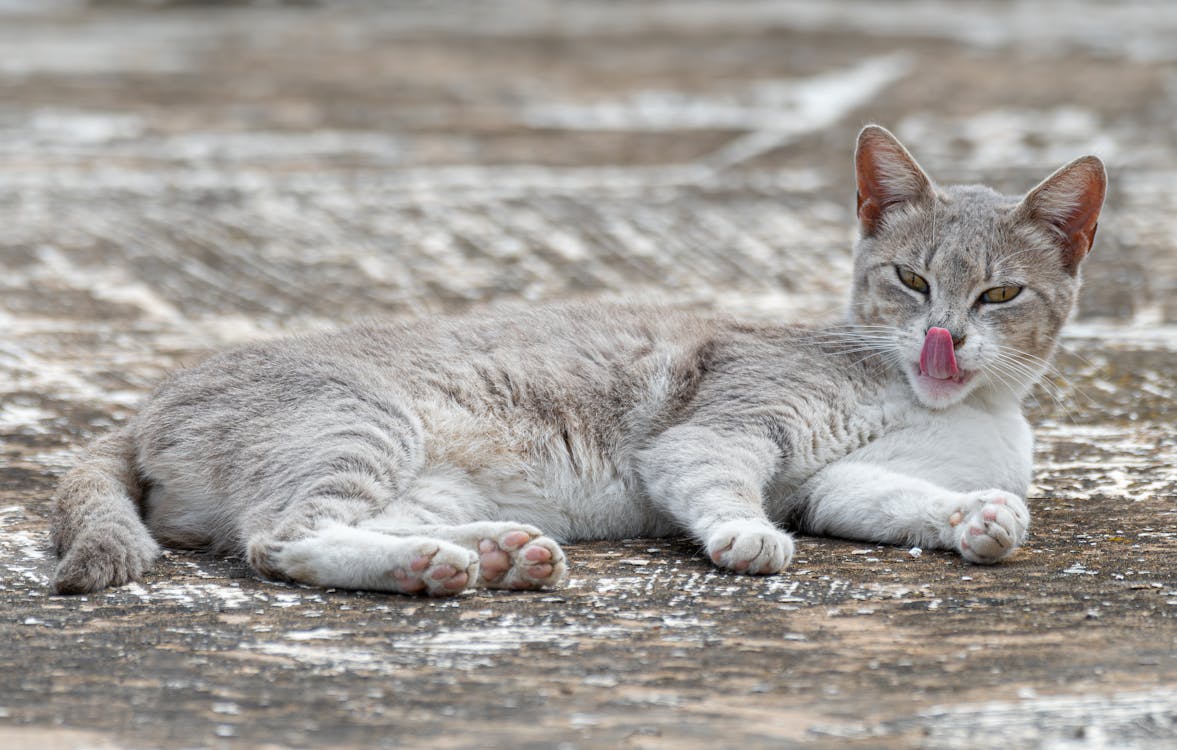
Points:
x=989 y=525
x=751 y=547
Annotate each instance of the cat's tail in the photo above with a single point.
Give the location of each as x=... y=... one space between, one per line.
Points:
x=97 y=530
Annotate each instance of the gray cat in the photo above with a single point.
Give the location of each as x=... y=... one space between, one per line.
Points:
x=427 y=457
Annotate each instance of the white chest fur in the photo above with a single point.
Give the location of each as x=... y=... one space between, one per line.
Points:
x=965 y=447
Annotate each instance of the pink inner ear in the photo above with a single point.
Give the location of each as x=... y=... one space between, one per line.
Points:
x=938 y=357
x=886 y=176
x=1070 y=200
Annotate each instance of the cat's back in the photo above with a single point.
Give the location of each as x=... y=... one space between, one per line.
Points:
x=583 y=360
x=603 y=372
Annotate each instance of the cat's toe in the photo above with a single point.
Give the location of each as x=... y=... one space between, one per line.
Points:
x=538 y=564
x=994 y=528
x=437 y=569
x=114 y=559
x=494 y=561
x=510 y=555
x=750 y=547
x=520 y=559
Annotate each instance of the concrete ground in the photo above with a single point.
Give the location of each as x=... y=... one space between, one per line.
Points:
x=176 y=176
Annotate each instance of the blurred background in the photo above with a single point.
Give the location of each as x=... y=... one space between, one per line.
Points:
x=179 y=175
x=231 y=166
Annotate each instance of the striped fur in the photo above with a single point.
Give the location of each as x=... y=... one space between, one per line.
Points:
x=431 y=456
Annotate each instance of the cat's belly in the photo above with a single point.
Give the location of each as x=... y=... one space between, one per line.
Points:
x=553 y=478
x=571 y=503
x=186 y=518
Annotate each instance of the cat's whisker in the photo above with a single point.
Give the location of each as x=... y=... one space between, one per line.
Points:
x=1031 y=375
x=876 y=341
x=1026 y=356
x=891 y=357
x=1049 y=371
x=1070 y=351
x=849 y=347
x=836 y=343
x=853 y=334
x=1044 y=367
x=874 y=355
x=1002 y=380
x=855 y=345
x=881 y=344
x=1005 y=383
x=1029 y=378
x=857 y=350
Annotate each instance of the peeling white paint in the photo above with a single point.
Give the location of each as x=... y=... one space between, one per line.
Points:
x=1120 y=721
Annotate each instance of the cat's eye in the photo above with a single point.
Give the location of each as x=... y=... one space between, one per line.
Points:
x=1000 y=294
x=913 y=280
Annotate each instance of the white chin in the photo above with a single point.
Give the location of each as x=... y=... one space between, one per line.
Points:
x=935 y=393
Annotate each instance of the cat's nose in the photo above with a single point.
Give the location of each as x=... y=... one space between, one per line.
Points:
x=957 y=338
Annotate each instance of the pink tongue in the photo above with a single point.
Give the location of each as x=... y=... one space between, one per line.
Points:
x=937 y=359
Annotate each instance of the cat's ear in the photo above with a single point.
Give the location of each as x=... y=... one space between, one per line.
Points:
x=1068 y=202
x=887 y=177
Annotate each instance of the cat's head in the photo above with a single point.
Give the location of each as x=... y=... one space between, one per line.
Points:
x=965 y=288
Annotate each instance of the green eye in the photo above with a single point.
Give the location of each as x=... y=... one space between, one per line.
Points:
x=913 y=280
x=1000 y=294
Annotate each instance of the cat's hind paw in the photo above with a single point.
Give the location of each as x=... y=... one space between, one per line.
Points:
x=94 y=561
x=750 y=547
x=510 y=555
x=518 y=560
x=341 y=556
x=990 y=526
x=436 y=569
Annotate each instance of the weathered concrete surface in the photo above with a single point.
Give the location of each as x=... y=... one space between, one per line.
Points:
x=174 y=178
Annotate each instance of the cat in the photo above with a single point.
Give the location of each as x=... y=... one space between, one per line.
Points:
x=432 y=456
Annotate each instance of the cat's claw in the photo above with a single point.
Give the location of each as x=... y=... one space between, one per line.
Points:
x=750 y=547
x=989 y=526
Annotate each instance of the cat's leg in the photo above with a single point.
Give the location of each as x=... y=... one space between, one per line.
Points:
x=343 y=556
x=318 y=539
x=712 y=482
x=860 y=500
x=352 y=461
x=511 y=555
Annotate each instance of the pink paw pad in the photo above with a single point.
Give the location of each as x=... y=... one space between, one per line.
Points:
x=408 y=583
x=457 y=582
x=995 y=527
x=717 y=555
x=451 y=579
x=443 y=571
x=519 y=559
x=539 y=572
x=537 y=560
x=493 y=561
x=436 y=572
x=515 y=539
